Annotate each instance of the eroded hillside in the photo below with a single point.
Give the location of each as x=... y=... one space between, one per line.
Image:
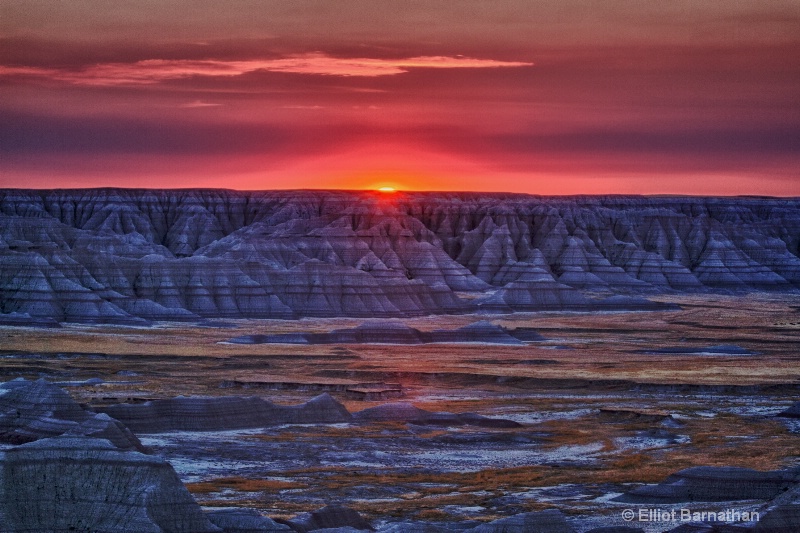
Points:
x=127 y=255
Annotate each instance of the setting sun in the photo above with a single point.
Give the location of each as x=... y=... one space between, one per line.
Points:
x=387 y=189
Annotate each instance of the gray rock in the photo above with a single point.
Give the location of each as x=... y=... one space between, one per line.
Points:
x=780 y=519
x=714 y=484
x=103 y=426
x=27 y=321
x=281 y=338
x=550 y=521
x=87 y=484
x=480 y=332
x=534 y=295
x=323 y=409
x=792 y=412
x=32 y=410
x=386 y=332
x=526 y=334
x=383 y=332
x=329 y=517
x=239 y=520
x=224 y=413
x=391 y=412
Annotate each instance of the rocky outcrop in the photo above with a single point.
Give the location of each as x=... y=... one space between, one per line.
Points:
x=552 y=521
x=328 y=518
x=405 y=412
x=781 y=515
x=224 y=413
x=114 y=255
x=87 y=484
x=238 y=520
x=714 y=484
x=236 y=412
x=792 y=412
x=478 y=332
x=33 y=410
x=779 y=519
x=279 y=338
x=630 y=415
x=27 y=321
x=391 y=412
x=102 y=426
x=385 y=332
x=323 y=409
x=526 y=334
x=372 y=332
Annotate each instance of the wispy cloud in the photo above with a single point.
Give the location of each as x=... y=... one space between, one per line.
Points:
x=198 y=103
x=157 y=70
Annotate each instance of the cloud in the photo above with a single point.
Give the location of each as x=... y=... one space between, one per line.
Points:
x=153 y=71
x=29 y=135
x=197 y=104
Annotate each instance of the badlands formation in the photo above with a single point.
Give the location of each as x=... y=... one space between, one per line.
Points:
x=500 y=419
x=114 y=255
x=62 y=474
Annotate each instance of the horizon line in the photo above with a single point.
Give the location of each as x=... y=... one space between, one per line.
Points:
x=402 y=191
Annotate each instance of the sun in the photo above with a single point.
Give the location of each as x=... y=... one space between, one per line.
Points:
x=387 y=189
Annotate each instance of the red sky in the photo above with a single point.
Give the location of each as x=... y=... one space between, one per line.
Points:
x=546 y=97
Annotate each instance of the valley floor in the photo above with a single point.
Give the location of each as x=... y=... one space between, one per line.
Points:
x=607 y=402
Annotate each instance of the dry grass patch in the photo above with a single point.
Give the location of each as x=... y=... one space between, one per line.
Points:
x=433 y=515
x=730 y=440
x=241 y=484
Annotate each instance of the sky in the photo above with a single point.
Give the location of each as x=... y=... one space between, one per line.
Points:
x=541 y=97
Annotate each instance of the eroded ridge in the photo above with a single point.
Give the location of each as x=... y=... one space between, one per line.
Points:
x=133 y=255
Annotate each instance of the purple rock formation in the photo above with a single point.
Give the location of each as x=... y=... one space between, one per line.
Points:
x=33 y=410
x=87 y=484
x=551 y=521
x=386 y=332
x=224 y=413
x=792 y=412
x=329 y=517
x=112 y=255
x=715 y=484
x=238 y=520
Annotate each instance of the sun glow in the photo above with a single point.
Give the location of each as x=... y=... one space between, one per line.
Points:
x=387 y=189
